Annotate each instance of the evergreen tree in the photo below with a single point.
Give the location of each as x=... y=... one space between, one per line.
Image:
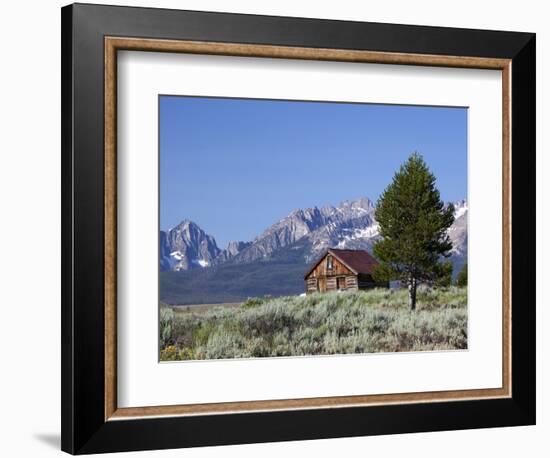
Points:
x=444 y=274
x=462 y=277
x=413 y=224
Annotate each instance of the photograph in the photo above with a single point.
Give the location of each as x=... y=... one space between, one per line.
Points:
x=305 y=228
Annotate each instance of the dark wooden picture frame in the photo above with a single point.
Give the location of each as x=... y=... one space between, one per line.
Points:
x=91 y=37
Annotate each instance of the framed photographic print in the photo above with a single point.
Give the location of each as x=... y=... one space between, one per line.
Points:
x=282 y=228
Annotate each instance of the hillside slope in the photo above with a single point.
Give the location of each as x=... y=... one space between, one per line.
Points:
x=232 y=283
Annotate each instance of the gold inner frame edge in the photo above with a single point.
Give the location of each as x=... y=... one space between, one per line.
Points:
x=114 y=44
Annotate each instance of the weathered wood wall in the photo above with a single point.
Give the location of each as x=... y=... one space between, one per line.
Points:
x=311 y=284
x=324 y=279
x=351 y=282
x=337 y=269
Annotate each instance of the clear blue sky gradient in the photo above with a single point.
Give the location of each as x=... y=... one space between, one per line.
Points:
x=236 y=166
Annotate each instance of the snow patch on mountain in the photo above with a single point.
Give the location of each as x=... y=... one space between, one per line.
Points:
x=358 y=234
x=309 y=231
x=461 y=207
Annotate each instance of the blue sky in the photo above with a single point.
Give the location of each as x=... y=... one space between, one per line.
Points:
x=236 y=166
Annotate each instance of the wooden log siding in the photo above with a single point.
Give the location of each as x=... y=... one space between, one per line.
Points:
x=340 y=276
x=325 y=278
x=351 y=282
x=338 y=269
x=311 y=284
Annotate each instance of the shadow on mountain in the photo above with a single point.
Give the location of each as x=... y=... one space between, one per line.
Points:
x=279 y=275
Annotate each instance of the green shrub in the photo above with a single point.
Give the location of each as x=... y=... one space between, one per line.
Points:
x=462 y=277
x=252 y=302
x=320 y=324
x=170 y=353
x=202 y=333
x=165 y=326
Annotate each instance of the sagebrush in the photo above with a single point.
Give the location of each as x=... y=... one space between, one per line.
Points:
x=319 y=324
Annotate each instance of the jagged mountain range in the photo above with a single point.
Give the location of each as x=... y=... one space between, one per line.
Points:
x=301 y=236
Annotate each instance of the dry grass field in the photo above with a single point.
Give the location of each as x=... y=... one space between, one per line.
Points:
x=318 y=324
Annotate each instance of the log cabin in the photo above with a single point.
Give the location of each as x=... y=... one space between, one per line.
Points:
x=342 y=270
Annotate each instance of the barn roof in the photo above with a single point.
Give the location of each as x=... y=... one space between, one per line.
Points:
x=358 y=261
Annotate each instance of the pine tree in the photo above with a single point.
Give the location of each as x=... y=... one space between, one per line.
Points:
x=444 y=275
x=413 y=224
x=462 y=277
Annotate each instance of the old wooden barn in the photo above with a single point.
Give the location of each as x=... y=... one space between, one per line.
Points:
x=340 y=270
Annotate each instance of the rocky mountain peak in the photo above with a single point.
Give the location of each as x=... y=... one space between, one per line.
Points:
x=461 y=207
x=458 y=232
x=350 y=225
x=235 y=247
x=187 y=246
x=363 y=203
